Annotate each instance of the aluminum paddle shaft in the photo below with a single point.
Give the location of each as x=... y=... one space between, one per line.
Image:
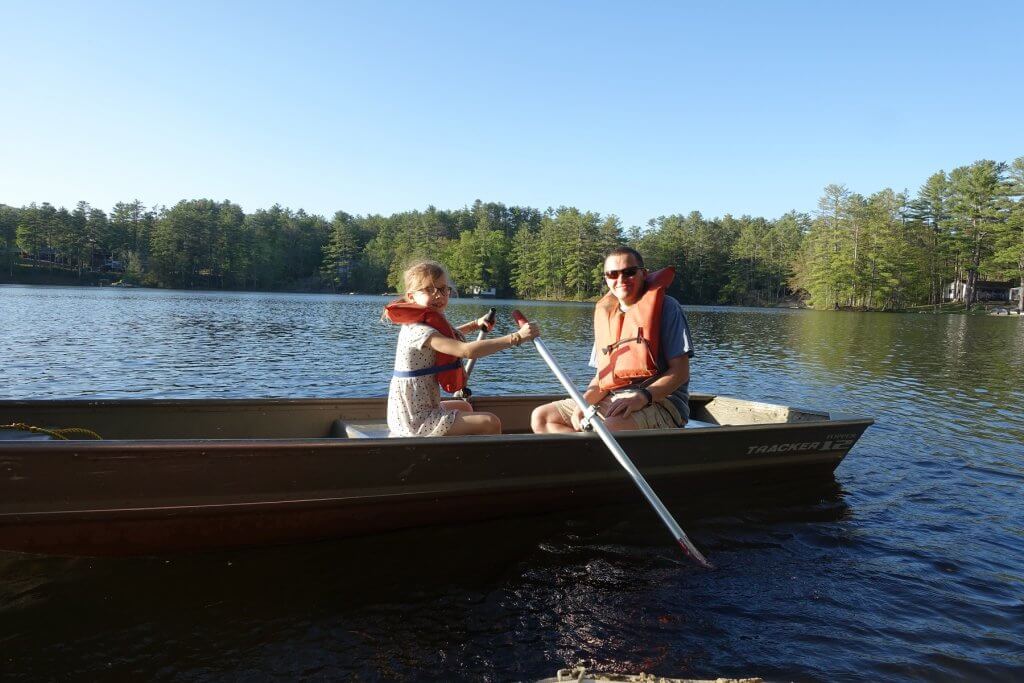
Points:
x=465 y=393
x=489 y=318
x=606 y=435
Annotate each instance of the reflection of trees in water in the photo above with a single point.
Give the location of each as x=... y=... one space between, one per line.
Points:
x=743 y=352
x=940 y=372
x=940 y=378
x=935 y=351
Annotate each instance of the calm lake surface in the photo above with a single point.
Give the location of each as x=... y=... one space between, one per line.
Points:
x=908 y=566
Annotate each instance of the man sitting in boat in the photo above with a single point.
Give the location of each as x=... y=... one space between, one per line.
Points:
x=642 y=351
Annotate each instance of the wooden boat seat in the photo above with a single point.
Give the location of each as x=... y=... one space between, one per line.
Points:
x=370 y=429
x=23 y=435
x=378 y=429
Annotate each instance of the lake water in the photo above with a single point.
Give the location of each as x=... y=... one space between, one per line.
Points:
x=908 y=566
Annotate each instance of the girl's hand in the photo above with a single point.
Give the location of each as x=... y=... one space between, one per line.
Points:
x=529 y=331
x=483 y=324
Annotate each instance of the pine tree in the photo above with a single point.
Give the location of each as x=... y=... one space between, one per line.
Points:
x=525 y=258
x=9 y=236
x=930 y=210
x=1009 y=253
x=975 y=209
x=341 y=251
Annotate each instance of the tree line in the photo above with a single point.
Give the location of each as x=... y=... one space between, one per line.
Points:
x=888 y=250
x=891 y=251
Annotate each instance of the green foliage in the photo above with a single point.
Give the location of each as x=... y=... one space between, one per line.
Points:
x=929 y=211
x=700 y=250
x=341 y=253
x=883 y=251
x=975 y=212
x=1008 y=253
x=761 y=259
x=8 y=237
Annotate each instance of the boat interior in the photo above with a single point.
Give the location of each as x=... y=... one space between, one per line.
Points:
x=343 y=418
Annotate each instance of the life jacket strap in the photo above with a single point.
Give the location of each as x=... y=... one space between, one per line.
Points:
x=611 y=347
x=638 y=339
x=428 y=371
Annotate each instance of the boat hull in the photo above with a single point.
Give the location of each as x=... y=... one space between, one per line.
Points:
x=130 y=496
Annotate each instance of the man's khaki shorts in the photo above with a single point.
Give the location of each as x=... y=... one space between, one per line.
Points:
x=658 y=415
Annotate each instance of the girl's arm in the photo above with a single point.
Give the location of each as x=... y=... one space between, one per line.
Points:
x=475 y=325
x=483 y=347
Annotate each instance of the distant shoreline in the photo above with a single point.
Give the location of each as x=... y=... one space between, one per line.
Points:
x=989 y=308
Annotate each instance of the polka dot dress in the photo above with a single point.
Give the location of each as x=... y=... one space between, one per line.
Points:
x=414 y=403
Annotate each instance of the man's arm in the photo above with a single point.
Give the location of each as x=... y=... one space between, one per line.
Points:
x=678 y=373
x=594 y=393
x=676 y=376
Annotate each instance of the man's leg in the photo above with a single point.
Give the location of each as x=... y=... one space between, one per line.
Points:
x=621 y=424
x=660 y=415
x=552 y=418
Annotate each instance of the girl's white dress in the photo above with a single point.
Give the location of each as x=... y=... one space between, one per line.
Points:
x=414 y=403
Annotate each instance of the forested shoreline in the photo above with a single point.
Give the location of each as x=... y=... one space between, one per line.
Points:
x=884 y=251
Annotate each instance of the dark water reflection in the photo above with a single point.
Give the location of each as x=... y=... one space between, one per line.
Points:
x=907 y=567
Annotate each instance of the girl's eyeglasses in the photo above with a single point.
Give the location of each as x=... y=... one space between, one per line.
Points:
x=625 y=272
x=431 y=290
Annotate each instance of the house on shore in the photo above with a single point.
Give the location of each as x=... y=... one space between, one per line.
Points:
x=985 y=290
x=480 y=292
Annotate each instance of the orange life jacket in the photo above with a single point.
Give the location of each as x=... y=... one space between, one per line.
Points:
x=451 y=374
x=628 y=342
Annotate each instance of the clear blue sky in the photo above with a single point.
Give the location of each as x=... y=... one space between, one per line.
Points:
x=637 y=110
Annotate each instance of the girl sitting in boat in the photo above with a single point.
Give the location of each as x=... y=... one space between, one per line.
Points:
x=429 y=357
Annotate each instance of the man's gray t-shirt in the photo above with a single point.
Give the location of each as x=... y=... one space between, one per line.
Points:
x=675 y=342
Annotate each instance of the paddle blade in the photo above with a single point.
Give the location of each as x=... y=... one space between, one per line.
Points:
x=691 y=551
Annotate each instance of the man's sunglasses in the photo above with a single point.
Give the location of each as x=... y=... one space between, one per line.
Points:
x=625 y=272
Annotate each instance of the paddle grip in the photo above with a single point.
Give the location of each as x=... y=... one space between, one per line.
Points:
x=519 y=318
x=489 y=319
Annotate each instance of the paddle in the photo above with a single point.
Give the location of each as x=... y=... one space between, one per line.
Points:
x=466 y=392
x=597 y=422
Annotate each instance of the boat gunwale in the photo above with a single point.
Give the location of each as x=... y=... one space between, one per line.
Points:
x=320 y=442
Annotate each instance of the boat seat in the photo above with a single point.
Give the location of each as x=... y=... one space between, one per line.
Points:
x=378 y=429
x=23 y=435
x=697 y=424
x=369 y=429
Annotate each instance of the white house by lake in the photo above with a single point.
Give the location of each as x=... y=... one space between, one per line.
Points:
x=985 y=290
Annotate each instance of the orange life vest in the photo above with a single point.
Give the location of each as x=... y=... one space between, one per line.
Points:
x=451 y=374
x=628 y=342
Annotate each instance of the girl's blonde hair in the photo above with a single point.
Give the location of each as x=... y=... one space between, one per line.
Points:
x=423 y=273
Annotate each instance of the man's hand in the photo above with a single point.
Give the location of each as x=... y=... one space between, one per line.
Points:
x=624 y=405
x=577 y=419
